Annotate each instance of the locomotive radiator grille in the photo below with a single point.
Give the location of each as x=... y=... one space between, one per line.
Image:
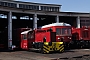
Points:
x=55 y=46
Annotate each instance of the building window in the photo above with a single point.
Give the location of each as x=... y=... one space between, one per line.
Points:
x=85 y=23
x=0 y=4
x=82 y=24
x=12 y=5
x=42 y=7
x=27 y=7
x=46 y=8
x=57 y=9
x=21 y=6
x=31 y=7
x=82 y=21
x=6 y=4
x=3 y=3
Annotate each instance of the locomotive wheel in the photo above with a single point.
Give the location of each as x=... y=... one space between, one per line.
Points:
x=41 y=50
x=82 y=46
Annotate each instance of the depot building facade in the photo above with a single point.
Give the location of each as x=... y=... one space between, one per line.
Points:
x=18 y=14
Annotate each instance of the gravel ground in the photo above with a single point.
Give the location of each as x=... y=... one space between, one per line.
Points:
x=25 y=55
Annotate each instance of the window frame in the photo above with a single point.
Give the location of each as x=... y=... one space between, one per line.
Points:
x=24 y=36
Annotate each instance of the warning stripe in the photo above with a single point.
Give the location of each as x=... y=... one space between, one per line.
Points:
x=45 y=51
x=61 y=45
x=57 y=46
x=46 y=48
x=61 y=48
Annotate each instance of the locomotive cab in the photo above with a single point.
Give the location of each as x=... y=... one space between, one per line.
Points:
x=81 y=36
x=26 y=38
x=63 y=32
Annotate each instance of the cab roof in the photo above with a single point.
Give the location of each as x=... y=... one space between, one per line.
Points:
x=25 y=32
x=56 y=24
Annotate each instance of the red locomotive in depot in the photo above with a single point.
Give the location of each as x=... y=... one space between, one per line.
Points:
x=16 y=40
x=43 y=41
x=63 y=32
x=81 y=36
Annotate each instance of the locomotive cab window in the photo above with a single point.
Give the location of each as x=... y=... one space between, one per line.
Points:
x=58 y=31
x=85 y=34
x=31 y=35
x=24 y=36
x=66 y=30
x=62 y=31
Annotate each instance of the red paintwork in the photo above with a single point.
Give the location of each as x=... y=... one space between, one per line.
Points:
x=24 y=44
x=38 y=37
x=80 y=33
x=67 y=38
x=17 y=36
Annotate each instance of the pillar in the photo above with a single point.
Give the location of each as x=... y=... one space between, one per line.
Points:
x=9 y=29
x=39 y=7
x=57 y=19
x=78 y=22
x=35 y=21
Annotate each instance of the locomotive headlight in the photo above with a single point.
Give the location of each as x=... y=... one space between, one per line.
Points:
x=33 y=42
x=70 y=38
x=81 y=38
x=58 y=38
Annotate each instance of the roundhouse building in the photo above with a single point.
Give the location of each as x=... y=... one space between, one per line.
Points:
x=18 y=14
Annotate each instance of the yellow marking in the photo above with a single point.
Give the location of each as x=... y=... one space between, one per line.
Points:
x=57 y=45
x=61 y=46
x=53 y=47
x=61 y=49
x=60 y=42
x=46 y=43
x=45 y=50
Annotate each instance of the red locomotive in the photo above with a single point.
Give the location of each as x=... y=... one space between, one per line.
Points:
x=42 y=40
x=16 y=40
x=63 y=32
x=81 y=36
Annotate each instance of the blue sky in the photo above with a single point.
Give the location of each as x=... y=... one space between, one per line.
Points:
x=67 y=5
